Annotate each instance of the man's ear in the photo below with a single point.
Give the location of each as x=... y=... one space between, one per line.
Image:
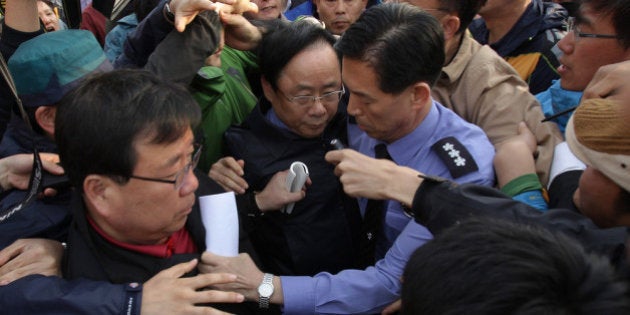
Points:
x=420 y=94
x=45 y=117
x=268 y=90
x=450 y=24
x=99 y=193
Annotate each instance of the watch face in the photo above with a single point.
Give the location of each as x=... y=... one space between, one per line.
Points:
x=265 y=289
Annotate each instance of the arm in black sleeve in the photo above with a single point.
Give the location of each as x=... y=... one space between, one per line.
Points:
x=53 y=295
x=143 y=41
x=180 y=55
x=439 y=204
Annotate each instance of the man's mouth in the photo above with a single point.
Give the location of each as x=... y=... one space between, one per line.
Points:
x=265 y=9
x=562 y=69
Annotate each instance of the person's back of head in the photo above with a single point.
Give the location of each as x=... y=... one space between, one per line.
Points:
x=287 y=39
x=486 y=266
x=401 y=42
x=98 y=123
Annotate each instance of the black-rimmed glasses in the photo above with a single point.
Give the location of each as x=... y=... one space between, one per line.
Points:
x=179 y=177
x=572 y=26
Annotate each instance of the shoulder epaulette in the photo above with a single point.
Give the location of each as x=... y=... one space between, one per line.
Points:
x=455 y=156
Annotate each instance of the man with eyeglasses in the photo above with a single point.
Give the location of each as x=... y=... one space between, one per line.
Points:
x=295 y=121
x=599 y=35
x=392 y=55
x=125 y=139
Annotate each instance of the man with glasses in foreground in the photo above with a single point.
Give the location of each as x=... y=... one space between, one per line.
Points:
x=125 y=139
x=599 y=35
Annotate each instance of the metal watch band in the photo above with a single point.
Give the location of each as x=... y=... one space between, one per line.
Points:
x=263 y=300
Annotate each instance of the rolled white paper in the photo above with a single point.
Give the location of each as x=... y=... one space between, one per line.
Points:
x=220 y=218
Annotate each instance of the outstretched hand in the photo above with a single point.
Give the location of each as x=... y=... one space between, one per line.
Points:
x=247 y=274
x=610 y=81
x=276 y=194
x=363 y=176
x=30 y=256
x=15 y=170
x=185 y=11
x=168 y=293
x=228 y=173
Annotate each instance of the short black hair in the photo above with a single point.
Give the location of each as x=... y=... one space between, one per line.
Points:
x=465 y=9
x=490 y=266
x=97 y=123
x=401 y=42
x=281 y=43
x=618 y=10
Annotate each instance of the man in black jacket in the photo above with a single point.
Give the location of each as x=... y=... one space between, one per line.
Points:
x=136 y=208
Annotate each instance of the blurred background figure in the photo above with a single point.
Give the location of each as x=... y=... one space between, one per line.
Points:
x=49 y=15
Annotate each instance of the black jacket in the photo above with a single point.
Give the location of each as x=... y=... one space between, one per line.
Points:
x=318 y=235
x=91 y=257
x=439 y=204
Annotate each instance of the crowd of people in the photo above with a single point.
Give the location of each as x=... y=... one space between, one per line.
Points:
x=463 y=156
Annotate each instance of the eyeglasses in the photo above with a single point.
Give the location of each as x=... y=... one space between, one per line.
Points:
x=572 y=26
x=308 y=100
x=179 y=177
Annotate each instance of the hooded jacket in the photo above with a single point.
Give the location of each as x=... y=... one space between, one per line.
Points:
x=530 y=46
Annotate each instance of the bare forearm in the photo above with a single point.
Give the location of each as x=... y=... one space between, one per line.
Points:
x=21 y=15
x=403 y=184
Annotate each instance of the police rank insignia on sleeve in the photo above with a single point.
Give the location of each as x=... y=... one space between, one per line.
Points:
x=455 y=156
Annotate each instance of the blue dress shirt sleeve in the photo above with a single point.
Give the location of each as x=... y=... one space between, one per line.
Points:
x=355 y=291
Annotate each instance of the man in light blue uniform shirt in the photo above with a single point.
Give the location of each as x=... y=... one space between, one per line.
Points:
x=394 y=108
x=416 y=150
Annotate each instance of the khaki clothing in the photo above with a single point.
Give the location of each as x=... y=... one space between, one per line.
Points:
x=485 y=90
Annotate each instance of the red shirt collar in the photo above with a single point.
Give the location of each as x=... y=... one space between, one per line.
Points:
x=179 y=242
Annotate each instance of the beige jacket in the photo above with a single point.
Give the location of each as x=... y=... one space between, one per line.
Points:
x=485 y=90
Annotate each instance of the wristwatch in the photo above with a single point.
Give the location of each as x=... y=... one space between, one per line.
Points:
x=265 y=290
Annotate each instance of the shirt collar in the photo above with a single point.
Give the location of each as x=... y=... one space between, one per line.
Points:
x=179 y=242
x=401 y=150
x=453 y=71
x=275 y=120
